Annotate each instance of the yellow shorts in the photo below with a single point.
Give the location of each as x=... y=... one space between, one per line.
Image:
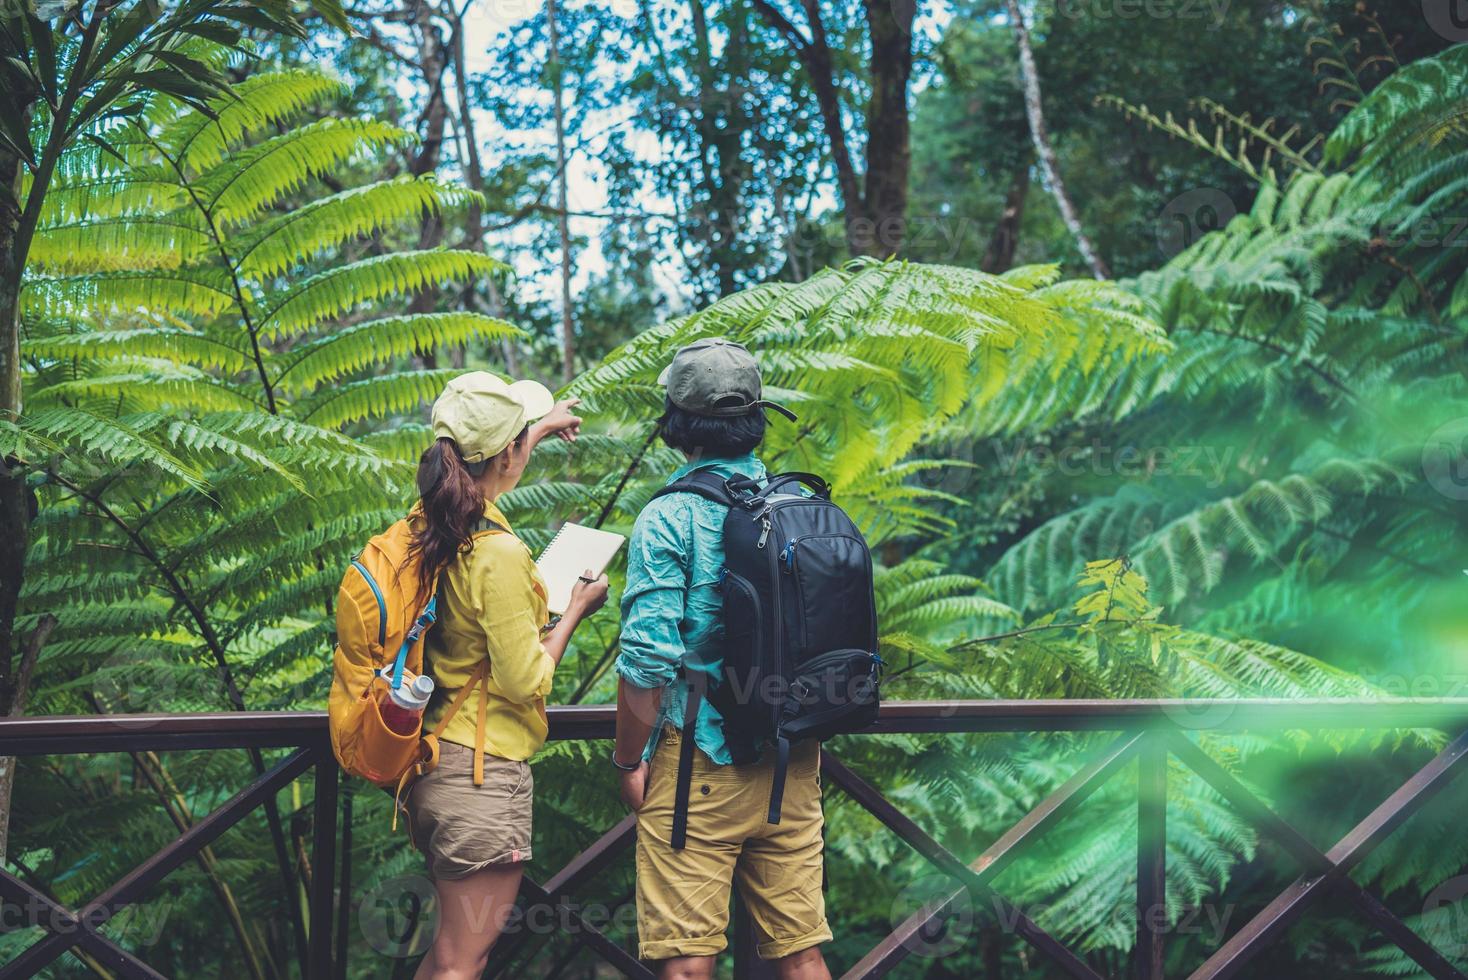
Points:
x=683 y=896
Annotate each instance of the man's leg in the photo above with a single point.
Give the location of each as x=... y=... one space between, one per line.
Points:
x=683 y=895
x=687 y=968
x=779 y=874
x=808 y=964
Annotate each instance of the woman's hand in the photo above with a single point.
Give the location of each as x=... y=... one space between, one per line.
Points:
x=634 y=787
x=561 y=421
x=588 y=594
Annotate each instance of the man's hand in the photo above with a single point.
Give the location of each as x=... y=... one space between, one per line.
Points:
x=634 y=787
x=561 y=421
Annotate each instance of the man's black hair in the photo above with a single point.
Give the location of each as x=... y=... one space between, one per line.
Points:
x=707 y=435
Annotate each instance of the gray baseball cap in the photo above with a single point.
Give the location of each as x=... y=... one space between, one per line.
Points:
x=716 y=377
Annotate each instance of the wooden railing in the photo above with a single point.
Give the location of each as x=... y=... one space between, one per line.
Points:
x=1148 y=732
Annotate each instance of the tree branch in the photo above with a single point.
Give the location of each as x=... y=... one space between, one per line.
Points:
x=782 y=24
x=29 y=655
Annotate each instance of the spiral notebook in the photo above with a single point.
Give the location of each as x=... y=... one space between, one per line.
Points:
x=573 y=550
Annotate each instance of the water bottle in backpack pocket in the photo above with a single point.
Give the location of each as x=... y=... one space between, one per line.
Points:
x=800 y=624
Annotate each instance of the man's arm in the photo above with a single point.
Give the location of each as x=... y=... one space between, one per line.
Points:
x=637 y=711
x=652 y=644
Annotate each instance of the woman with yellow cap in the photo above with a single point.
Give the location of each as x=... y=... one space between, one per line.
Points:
x=471 y=815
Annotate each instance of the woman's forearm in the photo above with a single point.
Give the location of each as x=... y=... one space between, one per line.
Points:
x=536 y=433
x=555 y=642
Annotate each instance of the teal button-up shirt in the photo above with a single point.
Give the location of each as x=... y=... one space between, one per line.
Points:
x=671 y=607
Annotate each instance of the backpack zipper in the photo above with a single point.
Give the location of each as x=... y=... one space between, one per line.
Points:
x=764 y=519
x=788 y=556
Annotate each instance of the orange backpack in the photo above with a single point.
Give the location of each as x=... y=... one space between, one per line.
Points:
x=381 y=621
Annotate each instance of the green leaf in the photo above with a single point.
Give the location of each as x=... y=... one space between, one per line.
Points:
x=122 y=32
x=44 y=46
x=195 y=92
x=332 y=12
x=216 y=31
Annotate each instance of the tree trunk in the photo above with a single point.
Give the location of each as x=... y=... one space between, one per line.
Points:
x=29 y=654
x=999 y=255
x=1049 y=165
x=889 y=154
x=722 y=122
x=474 y=173
x=433 y=56
x=874 y=210
x=568 y=334
x=15 y=501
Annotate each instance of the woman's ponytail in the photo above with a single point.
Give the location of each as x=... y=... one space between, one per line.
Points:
x=453 y=504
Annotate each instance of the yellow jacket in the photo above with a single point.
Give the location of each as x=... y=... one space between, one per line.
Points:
x=491 y=603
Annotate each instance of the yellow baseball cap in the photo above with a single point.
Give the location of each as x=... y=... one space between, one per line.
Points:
x=483 y=413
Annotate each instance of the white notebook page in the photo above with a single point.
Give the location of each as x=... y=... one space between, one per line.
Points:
x=573 y=550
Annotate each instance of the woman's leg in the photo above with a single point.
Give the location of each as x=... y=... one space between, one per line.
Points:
x=471 y=913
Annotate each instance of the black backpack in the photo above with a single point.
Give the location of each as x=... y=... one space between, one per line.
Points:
x=800 y=625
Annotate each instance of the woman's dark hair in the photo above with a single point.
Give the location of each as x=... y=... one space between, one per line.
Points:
x=452 y=505
x=706 y=435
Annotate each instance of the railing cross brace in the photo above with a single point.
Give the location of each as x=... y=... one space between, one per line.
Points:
x=82 y=927
x=975 y=881
x=1324 y=870
x=556 y=892
x=107 y=952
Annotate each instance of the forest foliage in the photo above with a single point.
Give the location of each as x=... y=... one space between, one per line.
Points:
x=1229 y=474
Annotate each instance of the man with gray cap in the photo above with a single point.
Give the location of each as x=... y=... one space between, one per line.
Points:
x=671 y=627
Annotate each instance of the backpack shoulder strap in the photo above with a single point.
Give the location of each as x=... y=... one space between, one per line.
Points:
x=709 y=486
x=683 y=786
x=484 y=524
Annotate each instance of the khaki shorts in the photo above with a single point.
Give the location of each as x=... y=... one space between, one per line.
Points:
x=683 y=896
x=462 y=828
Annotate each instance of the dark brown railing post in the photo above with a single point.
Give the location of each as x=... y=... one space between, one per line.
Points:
x=1151 y=858
x=323 y=863
x=344 y=887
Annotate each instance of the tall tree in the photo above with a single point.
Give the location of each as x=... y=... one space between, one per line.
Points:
x=1044 y=152
x=730 y=157
x=73 y=74
x=873 y=200
x=563 y=216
